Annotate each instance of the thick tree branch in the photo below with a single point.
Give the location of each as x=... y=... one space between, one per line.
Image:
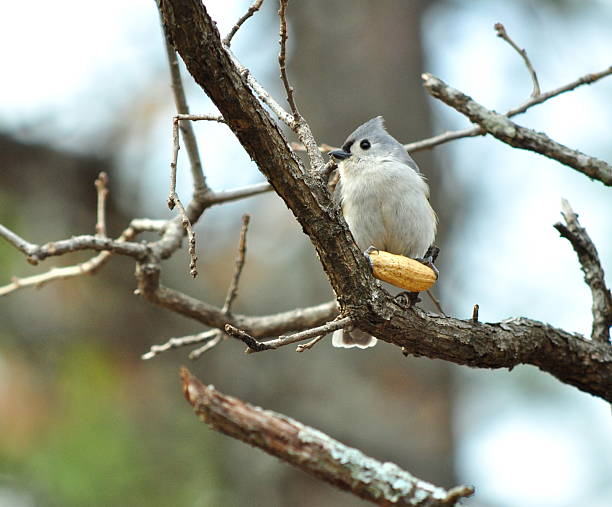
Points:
x=510 y=133
x=313 y=451
x=572 y=359
x=593 y=272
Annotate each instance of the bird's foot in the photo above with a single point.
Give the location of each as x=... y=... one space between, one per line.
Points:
x=407 y=299
x=367 y=253
x=430 y=257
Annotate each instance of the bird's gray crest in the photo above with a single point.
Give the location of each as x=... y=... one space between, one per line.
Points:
x=374 y=131
x=369 y=128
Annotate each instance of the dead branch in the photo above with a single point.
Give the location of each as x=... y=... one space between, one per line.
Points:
x=257 y=346
x=593 y=272
x=255 y=6
x=510 y=133
x=232 y=291
x=101 y=184
x=501 y=32
x=313 y=451
x=36 y=253
x=88 y=267
x=173 y=200
x=175 y=343
x=282 y=56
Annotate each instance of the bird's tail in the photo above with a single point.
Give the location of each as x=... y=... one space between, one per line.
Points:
x=352 y=337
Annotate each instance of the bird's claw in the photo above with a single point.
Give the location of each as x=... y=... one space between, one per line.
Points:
x=407 y=299
x=430 y=257
x=367 y=253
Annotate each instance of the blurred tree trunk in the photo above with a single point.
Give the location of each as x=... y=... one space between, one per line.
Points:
x=351 y=62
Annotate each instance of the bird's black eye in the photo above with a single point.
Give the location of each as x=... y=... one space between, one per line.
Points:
x=365 y=144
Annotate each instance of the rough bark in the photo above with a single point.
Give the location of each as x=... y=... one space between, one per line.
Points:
x=572 y=359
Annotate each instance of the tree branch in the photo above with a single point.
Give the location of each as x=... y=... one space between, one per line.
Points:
x=572 y=359
x=257 y=346
x=36 y=253
x=510 y=133
x=89 y=267
x=501 y=32
x=255 y=6
x=593 y=272
x=313 y=451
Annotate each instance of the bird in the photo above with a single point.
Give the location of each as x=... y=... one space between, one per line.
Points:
x=385 y=201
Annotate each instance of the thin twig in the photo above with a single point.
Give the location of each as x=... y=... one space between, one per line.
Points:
x=255 y=6
x=232 y=292
x=88 y=267
x=515 y=135
x=501 y=32
x=101 y=184
x=182 y=108
x=175 y=343
x=257 y=346
x=36 y=253
x=173 y=200
x=282 y=56
x=533 y=101
x=200 y=117
x=593 y=272
x=436 y=302
x=197 y=353
x=262 y=93
x=221 y=196
x=307 y=346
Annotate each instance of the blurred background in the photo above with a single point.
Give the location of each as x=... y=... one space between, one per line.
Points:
x=83 y=421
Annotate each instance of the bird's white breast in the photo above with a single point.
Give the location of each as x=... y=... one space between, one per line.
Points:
x=385 y=204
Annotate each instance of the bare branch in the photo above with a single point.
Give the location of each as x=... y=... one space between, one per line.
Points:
x=90 y=267
x=450 y=135
x=477 y=131
x=501 y=32
x=520 y=137
x=173 y=200
x=101 y=184
x=175 y=343
x=307 y=346
x=313 y=451
x=197 y=353
x=587 y=79
x=223 y=196
x=182 y=108
x=261 y=92
x=436 y=302
x=36 y=253
x=200 y=117
x=593 y=272
x=255 y=6
x=256 y=346
x=282 y=56
x=232 y=292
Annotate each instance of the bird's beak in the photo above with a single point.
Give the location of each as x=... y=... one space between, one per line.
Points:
x=340 y=154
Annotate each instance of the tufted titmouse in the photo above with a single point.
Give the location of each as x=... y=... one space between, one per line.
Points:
x=385 y=202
